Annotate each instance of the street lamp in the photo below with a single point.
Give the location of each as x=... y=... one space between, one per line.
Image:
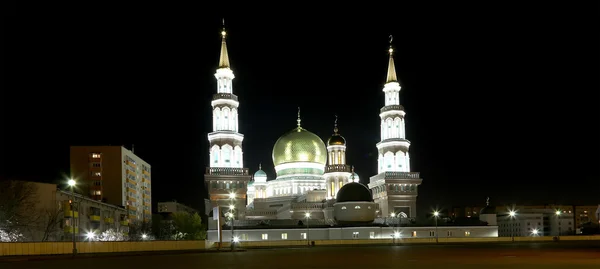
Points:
x=307 y=228
x=534 y=232
x=512 y=215
x=393 y=215
x=436 y=214
x=231 y=215
x=558 y=222
x=72 y=183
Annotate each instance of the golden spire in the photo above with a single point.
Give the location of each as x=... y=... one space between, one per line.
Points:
x=352 y=177
x=335 y=128
x=224 y=59
x=299 y=120
x=391 y=74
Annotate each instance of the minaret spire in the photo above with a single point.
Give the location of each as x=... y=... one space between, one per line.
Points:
x=391 y=74
x=259 y=166
x=299 y=120
x=224 y=59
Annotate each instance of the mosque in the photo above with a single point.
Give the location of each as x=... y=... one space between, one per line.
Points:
x=314 y=187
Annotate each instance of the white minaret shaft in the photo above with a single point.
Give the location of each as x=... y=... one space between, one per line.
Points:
x=225 y=140
x=393 y=148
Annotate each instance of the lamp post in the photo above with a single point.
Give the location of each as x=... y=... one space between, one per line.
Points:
x=231 y=215
x=512 y=215
x=558 y=223
x=72 y=183
x=393 y=215
x=435 y=215
x=307 y=229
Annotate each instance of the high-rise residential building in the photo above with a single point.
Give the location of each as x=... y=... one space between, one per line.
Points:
x=114 y=175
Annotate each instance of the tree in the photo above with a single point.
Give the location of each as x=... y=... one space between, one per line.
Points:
x=50 y=221
x=112 y=235
x=18 y=200
x=188 y=227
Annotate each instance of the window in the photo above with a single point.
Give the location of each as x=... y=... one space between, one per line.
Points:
x=265 y=236
x=303 y=235
x=97 y=174
x=449 y=233
x=431 y=233
x=96 y=155
x=371 y=235
x=414 y=234
x=355 y=235
x=357 y=207
x=343 y=207
x=95 y=164
x=467 y=233
x=284 y=236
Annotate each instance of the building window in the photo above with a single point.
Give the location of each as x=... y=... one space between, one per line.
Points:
x=449 y=233
x=265 y=236
x=414 y=234
x=96 y=155
x=244 y=237
x=95 y=164
x=431 y=233
x=355 y=235
x=284 y=236
x=357 y=207
x=371 y=235
x=303 y=235
x=467 y=233
x=97 y=174
x=343 y=207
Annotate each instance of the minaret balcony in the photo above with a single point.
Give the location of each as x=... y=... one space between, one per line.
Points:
x=391 y=108
x=229 y=171
x=230 y=96
x=338 y=168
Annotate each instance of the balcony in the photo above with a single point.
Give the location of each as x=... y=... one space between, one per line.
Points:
x=307 y=206
x=69 y=213
x=259 y=212
x=338 y=168
x=390 y=108
x=401 y=175
x=95 y=218
x=109 y=220
x=69 y=229
x=218 y=96
x=229 y=171
x=124 y=222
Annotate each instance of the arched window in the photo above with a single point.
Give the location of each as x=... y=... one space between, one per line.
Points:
x=234 y=120
x=226 y=119
x=389 y=161
x=389 y=128
x=238 y=156
x=397 y=132
x=215 y=152
x=218 y=118
x=226 y=151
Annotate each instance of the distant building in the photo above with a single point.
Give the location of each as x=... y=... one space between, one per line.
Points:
x=113 y=174
x=174 y=207
x=58 y=215
x=581 y=214
x=535 y=222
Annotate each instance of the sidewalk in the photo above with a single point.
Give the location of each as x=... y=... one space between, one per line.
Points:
x=111 y=254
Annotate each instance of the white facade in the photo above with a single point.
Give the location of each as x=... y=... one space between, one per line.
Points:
x=395 y=186
x=350 y=233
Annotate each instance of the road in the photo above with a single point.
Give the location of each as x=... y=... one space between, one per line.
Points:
x=529 y=255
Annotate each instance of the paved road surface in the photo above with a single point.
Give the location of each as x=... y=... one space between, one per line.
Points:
x=480 y=256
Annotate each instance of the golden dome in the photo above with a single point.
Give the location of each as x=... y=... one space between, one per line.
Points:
x=299 y=145
x=336 y=140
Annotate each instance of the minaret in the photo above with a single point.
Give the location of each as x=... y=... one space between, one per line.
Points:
x=225 y=176
x=394 y=187
x=337 y=172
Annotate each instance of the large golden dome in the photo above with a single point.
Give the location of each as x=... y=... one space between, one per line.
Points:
x=299 y=145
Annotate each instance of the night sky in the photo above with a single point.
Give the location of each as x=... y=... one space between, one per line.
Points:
x=500 y=100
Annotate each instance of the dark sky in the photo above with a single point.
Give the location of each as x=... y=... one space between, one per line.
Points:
x=501 y=100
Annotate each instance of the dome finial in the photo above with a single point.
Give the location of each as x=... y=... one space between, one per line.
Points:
x=487 y=201
x=353 y=173
x=299 y=120
x=224 y=58
x=391 y=74
x=259 y=166
x=335 y=128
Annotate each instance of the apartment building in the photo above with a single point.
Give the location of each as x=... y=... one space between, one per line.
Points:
x=114 y=175
x=535 y=222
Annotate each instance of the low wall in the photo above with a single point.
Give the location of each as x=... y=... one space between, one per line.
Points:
x=281 y=243
x=54 y=248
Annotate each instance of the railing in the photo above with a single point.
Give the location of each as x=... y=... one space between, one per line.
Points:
x=338 y=168
x=307 y=206
x=231 y=96
x=392 y=107
x=402 y=175
x=227 y=171
x=261 y=213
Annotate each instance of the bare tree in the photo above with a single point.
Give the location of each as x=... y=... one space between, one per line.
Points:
x=50 y=222
x=18 y=201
